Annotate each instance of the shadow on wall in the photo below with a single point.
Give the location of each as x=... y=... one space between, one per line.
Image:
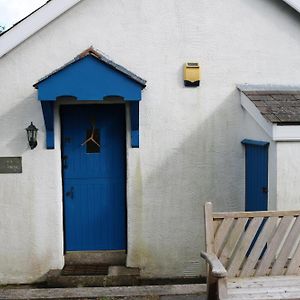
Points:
x=205 y=164
x=208 y=165
x=14 y=121
x=23 y=205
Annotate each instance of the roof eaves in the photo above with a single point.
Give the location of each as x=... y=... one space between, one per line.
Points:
x=20 y=21
x=266 y=88
x=294 y=4
x=32 y=23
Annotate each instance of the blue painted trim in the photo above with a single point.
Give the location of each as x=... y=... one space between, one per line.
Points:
x=101 y=57
x=134 y=117
x=48 y=112
x=255 y=143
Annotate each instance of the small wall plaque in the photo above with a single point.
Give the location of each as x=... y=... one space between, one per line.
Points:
x=10 y=165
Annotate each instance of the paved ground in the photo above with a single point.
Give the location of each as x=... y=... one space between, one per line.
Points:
x=155 y=292
x=184 y=297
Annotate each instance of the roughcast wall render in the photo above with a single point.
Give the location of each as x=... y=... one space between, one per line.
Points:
x=190 y=138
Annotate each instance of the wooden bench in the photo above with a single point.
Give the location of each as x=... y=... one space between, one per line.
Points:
x=252 y=255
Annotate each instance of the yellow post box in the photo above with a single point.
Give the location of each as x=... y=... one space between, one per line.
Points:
x=191 y=74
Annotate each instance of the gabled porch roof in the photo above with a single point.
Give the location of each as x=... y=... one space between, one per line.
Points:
x=90 y=76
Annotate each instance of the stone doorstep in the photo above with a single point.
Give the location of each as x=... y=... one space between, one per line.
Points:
x=128 y=292
x=117 y=276
x=96 y=257
x=92 y=281
x=122 y=270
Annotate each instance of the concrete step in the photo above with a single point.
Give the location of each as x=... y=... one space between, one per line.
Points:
x=112 y=258
x=155 y=292
x=123 y=271
x=117 y=276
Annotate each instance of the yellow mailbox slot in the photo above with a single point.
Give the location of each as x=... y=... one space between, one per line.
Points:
x=191 y=74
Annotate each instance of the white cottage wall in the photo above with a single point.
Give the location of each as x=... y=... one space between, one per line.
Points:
x=288 y=176
x=190 y=138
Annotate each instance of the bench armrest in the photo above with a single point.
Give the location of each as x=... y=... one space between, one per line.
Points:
x=217 y=269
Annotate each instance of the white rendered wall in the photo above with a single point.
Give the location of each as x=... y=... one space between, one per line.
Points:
x=288 y=177
x=190 y=150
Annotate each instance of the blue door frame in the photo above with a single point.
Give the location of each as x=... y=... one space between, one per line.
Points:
x=94 y=178
x=256 y=165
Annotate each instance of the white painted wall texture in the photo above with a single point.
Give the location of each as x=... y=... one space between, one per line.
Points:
x=190 y=138
x=288 y=176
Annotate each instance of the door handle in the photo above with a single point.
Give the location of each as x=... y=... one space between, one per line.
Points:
x=70 y=193
x=264 y=189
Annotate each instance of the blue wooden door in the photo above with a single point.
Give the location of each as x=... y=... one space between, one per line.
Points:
x=256 y=175
x=94 y=177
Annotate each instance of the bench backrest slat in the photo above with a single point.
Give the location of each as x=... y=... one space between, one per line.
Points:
x=254 y=243
x=232 y=241
x=273 y=246
x=286 y=249
x=221 y=234
x=240 y=254
x=248 y=268
x=293 y=267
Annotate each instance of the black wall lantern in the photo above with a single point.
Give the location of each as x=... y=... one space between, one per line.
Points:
x=32 y=135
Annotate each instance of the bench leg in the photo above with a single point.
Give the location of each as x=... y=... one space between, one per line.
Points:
x=222 y=288
x=216 y=288
x=212 y=288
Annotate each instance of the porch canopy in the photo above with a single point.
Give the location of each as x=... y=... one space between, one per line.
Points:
x=90 y=77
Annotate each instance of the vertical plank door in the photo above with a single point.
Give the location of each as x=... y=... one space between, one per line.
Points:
x=94 y=177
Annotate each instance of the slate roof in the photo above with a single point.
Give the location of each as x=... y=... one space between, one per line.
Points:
x=101 y=57
x=280 y=107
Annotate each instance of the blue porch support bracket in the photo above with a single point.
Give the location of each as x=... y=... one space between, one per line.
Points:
x=134 y=117
x=48 y=113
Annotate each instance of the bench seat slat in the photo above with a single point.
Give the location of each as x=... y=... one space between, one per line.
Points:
x=264 y=281
x=264 y=290
x=272 y=287
x=271 y=296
